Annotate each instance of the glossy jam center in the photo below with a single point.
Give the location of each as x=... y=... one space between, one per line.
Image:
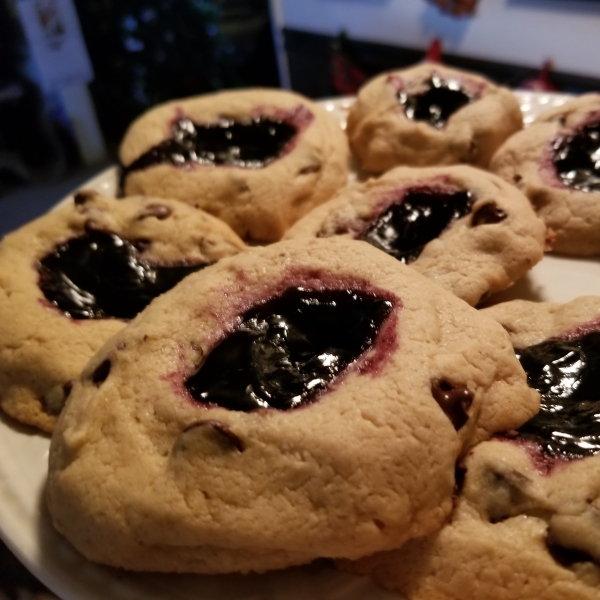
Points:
x=288 y=350
x=100 y=275
x=404 y=228
x=437 y=103
x=252 y=144
x=577 y=158
x=567 y=375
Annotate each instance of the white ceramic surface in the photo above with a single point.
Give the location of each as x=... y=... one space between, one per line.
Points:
x=26 y=528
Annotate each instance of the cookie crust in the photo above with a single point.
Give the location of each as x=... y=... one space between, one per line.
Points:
x=258 y=203
x=367 y=465
x=524 y=528
x=382 y=136
x=471 y=258
x=525 y=160
x=41 y=349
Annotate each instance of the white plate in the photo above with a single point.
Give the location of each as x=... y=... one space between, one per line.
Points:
x=26 y=528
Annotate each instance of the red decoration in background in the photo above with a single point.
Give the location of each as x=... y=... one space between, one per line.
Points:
x=346 y=76
x=434 y=52
x=542 y=82
x=457 y=8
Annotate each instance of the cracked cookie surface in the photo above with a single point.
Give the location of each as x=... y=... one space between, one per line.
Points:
x=430 y=115
x=554 y=162
x=526 y=524
x=465 y=229
x=359 y=461
x=259 y=159
x=72 y=278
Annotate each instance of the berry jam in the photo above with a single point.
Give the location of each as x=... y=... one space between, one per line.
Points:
x=100 y=275
x=437 y=103
x=251 y=145
x=577 y=158
x=288 y=350
x=406 y=227
x=567 y=375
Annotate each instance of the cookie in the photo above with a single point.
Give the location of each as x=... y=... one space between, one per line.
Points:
x=462 y=227
x=259 y=159
x=74 y=277
x=282 y=405
x=526 y=525
x=430 y=115
x=554 y=162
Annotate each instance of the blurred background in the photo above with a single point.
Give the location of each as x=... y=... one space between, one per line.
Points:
x=75 y=73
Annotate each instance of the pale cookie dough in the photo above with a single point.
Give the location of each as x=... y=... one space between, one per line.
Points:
x=526 y=525
x=145 y=477
x=42 y=348
x=259 y=199
x=385 y=129
x=533 y=158
x=490 y=243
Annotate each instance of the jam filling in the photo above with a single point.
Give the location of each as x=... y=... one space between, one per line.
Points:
x=405 y=228
x=251 y=145
x=577 y=158
x=100 y=275
x=567 y=375
x=286 y=351
x=437 y=103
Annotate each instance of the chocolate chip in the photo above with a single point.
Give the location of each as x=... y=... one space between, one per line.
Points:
x=567 y=557
x=141 y=244
x=517 y=178
x=310 y=169
x=67 y=387
x=101 y=372
x=484 y=297
x=221 y=428
x=459 y=479
x=487 y=214
x=455 y=401
x=160 y=211
x=82 y=196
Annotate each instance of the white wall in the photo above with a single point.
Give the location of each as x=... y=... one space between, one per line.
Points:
x=522 y=32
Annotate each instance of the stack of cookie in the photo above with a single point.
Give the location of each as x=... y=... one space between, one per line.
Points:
x=249 y=362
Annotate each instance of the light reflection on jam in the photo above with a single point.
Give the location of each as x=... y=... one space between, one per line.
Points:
x=251 y=144
x=289 y=349
x=567 y=375
x=404 y=229
x=577 y=158
x=437 y=103
x=101 y=275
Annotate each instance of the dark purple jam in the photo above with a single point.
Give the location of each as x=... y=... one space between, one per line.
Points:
x=567 y=375
x=288 y=350
x=251 y=145
x=100 y=275
x=437 y=103
x=405 y=227
x=577 y=158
